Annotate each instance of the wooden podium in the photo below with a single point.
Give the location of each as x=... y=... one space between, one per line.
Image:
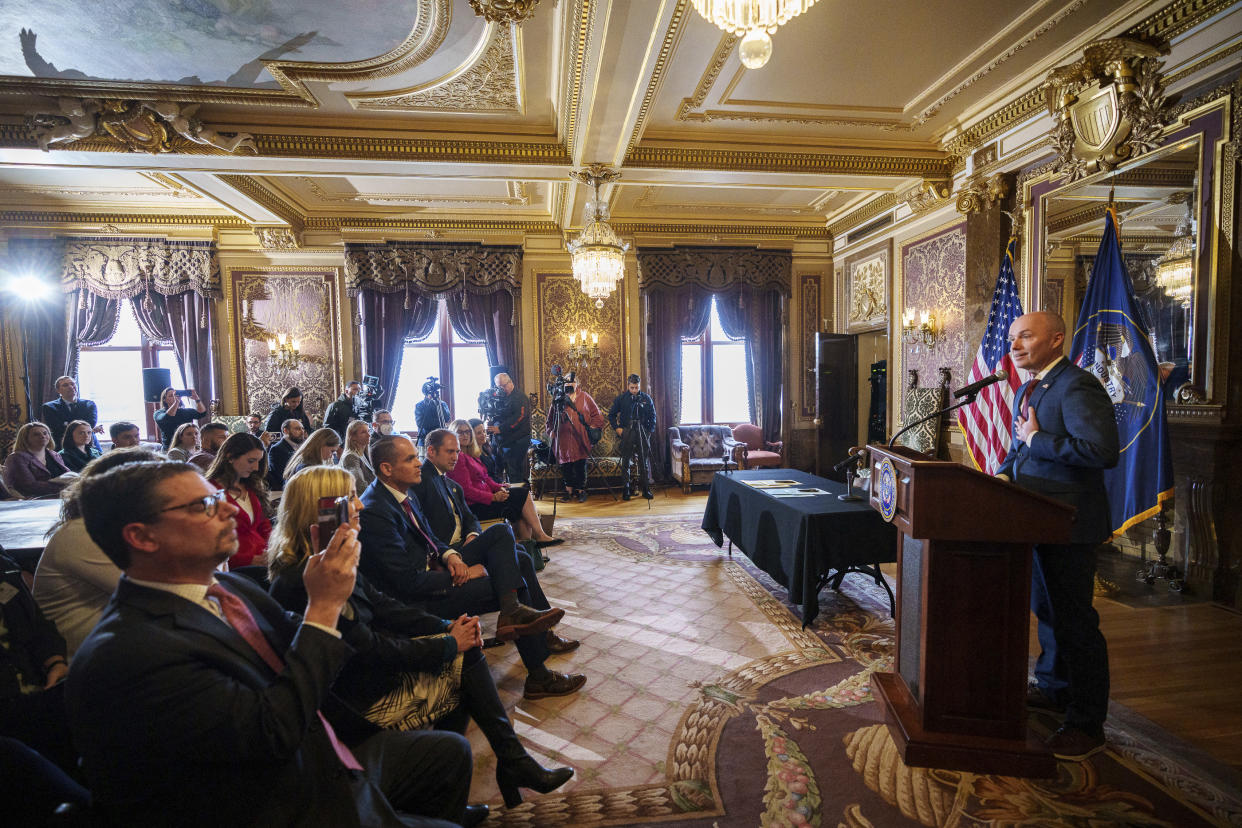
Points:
x=958 y=697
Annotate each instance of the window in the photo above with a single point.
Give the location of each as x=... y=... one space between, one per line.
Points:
x=460 y=364
x=709 y=357
x=111 y=374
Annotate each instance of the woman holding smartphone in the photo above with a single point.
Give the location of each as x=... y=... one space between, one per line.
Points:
x=409 y=668
x=172 y=414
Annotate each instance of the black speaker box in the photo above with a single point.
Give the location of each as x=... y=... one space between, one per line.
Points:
x=154 y=381
x=497 y=369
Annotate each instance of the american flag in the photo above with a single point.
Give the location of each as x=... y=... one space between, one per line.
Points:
x=986 y=421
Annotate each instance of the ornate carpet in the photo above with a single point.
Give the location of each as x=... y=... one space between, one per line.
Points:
x=707 y=705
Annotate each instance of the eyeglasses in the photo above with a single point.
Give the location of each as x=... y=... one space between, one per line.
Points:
x=465 y=431
x=207 y=505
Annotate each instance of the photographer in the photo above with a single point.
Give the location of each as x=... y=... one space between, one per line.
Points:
x=342 y=410
x=432 y=412
x=632 y=415
x=572 y=412
x=511 y=429
x=171 y=415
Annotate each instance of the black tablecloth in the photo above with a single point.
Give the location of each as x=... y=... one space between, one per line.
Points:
x=800 y=540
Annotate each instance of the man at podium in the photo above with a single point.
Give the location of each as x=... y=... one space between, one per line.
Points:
x=1064 y=436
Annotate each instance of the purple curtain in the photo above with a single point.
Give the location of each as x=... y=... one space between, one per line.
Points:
x=190 y=321
x=672 y=315
x=93 y=321
x=756 y=315
x=45 y=326
x=488 y=317
x=386 y=324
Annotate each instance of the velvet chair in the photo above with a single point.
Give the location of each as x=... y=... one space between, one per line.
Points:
x=759 y=454
x=699 y=451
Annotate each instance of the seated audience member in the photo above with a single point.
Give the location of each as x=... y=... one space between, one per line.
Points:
x=356 y=458
x=341 y=412
x=382 y=425
x=32 y=468
x=240 y=469
x=212 y=435
x=66 y=408
x=78 y=445
x=254 y=427
x=319 y=449
x=75 y=579
x=409 y=668
x=32 y=788
x=289 y=408
x=401 y=547
x=32 y=665
x=293 y=435
x=197 y=699
x=184 y=444
x=488 y=456
x=171 y=414
x=486 y=498
x=124 y=435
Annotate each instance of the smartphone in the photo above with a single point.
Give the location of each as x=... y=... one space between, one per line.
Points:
x=275 y=435
x=333 y=513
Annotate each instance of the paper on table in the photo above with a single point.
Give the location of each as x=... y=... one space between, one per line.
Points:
x=770 y=484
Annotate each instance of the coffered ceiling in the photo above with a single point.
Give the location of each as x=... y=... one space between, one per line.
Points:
x=402 y=115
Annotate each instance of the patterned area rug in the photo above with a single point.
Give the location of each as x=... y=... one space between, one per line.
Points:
x=707 y=705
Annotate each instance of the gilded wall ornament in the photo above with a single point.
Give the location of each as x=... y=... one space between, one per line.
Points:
x=276 y=238
x=504 y=11
x=979 y=193
x=139 y=126
x=1109 y=106
x=927 y=195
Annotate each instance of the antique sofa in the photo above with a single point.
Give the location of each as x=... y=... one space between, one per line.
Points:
x=696 y=452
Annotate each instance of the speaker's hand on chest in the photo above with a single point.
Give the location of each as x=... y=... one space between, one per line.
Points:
x=1026 y=426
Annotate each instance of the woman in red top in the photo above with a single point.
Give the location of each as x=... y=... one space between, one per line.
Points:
x=489 y=499
x=240 y=468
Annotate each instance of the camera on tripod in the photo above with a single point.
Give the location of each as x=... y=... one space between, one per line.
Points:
x=364 y=400
x=556 y=388
x=431 y=388
x=492 y=405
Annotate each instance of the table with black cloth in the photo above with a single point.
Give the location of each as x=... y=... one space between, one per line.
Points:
x=23 y=527
x=802 y=542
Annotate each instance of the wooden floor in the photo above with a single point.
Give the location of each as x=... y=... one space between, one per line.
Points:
x=1179 y=666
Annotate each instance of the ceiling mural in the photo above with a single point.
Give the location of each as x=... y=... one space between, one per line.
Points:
x=192 y=42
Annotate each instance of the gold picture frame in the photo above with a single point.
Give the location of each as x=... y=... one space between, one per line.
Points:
x=868 y=275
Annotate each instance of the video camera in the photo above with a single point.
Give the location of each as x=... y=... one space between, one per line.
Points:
x=492 y=402
x=556 y=388
x=364 y=400
x=431 y=388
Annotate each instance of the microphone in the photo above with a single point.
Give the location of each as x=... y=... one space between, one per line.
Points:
x=975 y=387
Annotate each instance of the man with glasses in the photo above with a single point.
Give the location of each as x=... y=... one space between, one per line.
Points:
x=197 y=694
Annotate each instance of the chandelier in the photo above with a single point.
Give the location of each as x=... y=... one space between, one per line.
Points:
x=1175 y=270
x=598 y=254
x=284 y=351
x=753 y=20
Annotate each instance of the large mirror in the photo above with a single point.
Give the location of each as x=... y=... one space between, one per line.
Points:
x=1161 y=238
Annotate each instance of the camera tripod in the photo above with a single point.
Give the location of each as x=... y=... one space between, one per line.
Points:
x=638 y=453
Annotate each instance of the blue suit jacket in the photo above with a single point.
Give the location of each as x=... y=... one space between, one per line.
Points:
x=438 y=510
x=395 y=556
x=1076 y=441
x=57 y=414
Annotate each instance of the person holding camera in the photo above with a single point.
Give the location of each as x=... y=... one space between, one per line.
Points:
x=572 y=413
x=342 y=410
x=172 y=415
x=289 y=408
x=432 y=412
x=511 y=429
x=632 y=415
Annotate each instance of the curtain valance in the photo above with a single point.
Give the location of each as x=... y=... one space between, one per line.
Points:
x=117 y=267
x=432 y=267
x=715 y=269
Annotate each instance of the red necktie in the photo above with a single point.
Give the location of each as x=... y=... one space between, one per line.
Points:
x=1024 y=406
x=409 y=512
x=238 y=616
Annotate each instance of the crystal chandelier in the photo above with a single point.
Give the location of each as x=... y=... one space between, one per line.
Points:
x=1175 y=270
x=598 y=254
x=753 y=20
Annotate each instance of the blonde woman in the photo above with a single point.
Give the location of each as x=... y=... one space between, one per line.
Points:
x=319 y=449
x=33 y=467
x=409 y=668
x=185 y=443
x=356 y=458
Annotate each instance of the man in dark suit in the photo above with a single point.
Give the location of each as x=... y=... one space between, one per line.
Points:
x=405 y=558
x=280 y=452
x=1064 y=436
x=444 y=503
x=197 y=699
x=60 y=412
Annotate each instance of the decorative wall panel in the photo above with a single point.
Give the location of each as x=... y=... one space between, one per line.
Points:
x=810 y=286
x=934 y=278
x=561 y=308
x=867 y=275
x=303 y=305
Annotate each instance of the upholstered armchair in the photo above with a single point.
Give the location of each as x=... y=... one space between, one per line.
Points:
x=759 y=454
x=699 y=451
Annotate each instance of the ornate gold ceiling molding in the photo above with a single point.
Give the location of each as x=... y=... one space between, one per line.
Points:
x=100 y=193
x=254 y=190
x=709 y=115
x=26 y=217
x=714 y=232
x=1175 y=18
x=647 y=201
x=708 y=79
x=426 y=36
x=869 y=210
x=486 y=82
x=372 y=148
x=695 y=158
x=504 y=11
x=1088 y=213
x=1216 y=57
x=277 y=238
x=346 y=223
x=581 y=25
x=671 y=38
x=519 y=196
x=1043 y=29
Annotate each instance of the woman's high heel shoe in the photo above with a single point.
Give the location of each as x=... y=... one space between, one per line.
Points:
x=527 y=773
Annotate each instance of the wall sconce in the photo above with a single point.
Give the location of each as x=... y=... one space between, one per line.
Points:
x=919 y=329
x=582 y=353
x=284 y=351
